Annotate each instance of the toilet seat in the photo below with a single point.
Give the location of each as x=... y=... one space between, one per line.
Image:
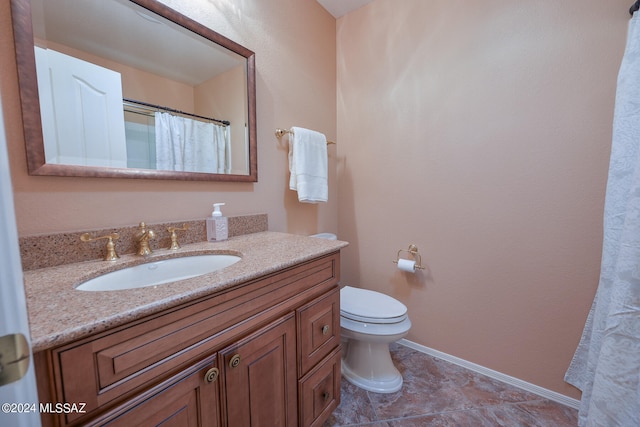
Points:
x=376 y=320
x=363 y=305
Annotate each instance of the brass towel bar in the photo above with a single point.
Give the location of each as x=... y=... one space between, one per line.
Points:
x=280 y=133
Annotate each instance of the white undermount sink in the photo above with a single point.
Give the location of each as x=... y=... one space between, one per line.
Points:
x=158 y=272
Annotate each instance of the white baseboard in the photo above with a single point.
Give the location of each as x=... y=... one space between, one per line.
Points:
x=540 y=391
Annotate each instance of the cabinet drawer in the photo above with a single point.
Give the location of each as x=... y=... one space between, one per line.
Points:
x=319 y=391
x=318 y=330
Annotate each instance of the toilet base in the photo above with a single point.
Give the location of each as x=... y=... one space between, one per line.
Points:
x=368 y=365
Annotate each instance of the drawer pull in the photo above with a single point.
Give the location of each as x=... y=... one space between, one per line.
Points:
x=325 y=396
x=235 y=361
x=211 y=375
x=325 y=329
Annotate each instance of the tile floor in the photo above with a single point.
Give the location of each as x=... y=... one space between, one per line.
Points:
x=438 y=393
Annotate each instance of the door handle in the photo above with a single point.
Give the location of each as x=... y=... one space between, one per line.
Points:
x=14 y=358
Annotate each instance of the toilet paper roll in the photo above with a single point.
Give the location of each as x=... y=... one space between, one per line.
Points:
x=407 y=265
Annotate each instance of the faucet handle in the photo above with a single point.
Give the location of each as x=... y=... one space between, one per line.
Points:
x=111 y=246
x=174 y=237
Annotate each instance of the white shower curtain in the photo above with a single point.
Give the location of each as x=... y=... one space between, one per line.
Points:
x=183 y=144
x=606 y=365
x=169 y=134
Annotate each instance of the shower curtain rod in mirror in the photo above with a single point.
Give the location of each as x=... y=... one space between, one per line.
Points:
x=171 y=110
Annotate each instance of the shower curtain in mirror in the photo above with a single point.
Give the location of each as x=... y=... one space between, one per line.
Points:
x=183 y=144
x=606 y=365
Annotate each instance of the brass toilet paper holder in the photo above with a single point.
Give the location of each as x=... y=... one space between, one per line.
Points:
x=413 y=252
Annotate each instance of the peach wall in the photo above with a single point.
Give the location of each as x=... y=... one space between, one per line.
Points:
x=136 y=83
x=217 y=97
x=294 y=44
x=480 y=131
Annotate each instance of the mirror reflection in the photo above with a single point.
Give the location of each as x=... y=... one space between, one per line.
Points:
x=122 y=87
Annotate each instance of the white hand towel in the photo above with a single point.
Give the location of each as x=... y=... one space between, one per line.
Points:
x=308 y=165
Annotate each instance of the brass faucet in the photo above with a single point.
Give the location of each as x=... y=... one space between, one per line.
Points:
x=111 y=246
x=142 y=237
x=174 y=237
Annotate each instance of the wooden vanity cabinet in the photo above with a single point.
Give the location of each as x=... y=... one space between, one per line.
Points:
x=265 y=353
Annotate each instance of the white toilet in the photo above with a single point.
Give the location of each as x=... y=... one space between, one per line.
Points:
x=369 y=322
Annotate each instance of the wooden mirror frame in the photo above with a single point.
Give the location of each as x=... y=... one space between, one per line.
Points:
x=30 y=102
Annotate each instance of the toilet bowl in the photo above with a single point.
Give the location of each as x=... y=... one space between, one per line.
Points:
x=369 y=322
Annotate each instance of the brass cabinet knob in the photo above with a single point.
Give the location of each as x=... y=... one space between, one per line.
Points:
x=234 y=361
x=325 y=396
x=211 y=375
x=325 y=329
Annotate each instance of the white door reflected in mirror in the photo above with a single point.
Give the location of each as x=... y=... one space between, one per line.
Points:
x=81 y=105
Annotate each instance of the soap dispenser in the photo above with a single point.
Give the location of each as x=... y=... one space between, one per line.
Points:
x=217 y=225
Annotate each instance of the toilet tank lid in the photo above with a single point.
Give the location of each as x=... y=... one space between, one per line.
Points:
x=370 y=304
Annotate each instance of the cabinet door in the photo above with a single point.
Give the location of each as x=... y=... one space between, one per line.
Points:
x=191 y=401
x=259 y=375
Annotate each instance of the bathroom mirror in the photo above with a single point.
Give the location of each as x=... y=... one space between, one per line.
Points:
x=132 y=89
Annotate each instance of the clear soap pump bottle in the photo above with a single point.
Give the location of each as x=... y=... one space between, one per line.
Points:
x=217 y=225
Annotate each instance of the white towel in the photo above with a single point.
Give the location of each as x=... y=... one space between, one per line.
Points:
x=308 y=165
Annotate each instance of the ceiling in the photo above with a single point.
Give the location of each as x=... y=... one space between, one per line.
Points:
x=124 y=32
x=341 y=7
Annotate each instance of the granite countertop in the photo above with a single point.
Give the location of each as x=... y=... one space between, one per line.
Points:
x=58 y=313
